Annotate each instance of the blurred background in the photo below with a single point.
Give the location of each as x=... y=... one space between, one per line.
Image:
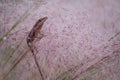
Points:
x=82 y=39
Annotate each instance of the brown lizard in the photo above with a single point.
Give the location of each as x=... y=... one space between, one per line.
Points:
x=32 y=36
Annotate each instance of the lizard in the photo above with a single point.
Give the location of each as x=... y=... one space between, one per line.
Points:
x=32 y=36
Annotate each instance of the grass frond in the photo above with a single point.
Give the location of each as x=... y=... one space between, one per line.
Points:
x=11 y=53
x=16 y=62
x=22 y=18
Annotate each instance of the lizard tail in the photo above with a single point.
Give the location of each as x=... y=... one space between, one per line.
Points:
x=36 y=62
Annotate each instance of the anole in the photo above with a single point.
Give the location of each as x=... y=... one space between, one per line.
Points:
x=32 y=36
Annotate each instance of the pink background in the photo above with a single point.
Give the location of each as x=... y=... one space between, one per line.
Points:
x=77 y=32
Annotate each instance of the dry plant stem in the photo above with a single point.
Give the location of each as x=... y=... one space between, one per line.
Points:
x=87 y=65
x=22 y=18
x=69 y=71
x=16 y=62
x=32 y=36
x=114 y=36
x=13 y=52
x=93 y=64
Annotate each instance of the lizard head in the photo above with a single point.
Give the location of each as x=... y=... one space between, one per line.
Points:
x=42 y=20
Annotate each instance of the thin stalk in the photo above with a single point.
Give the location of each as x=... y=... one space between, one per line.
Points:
x=22 y=18
x=114 y=36
x=17 y=61
x=13 y=51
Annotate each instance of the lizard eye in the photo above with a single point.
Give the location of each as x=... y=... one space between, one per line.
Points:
x=43 y=19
